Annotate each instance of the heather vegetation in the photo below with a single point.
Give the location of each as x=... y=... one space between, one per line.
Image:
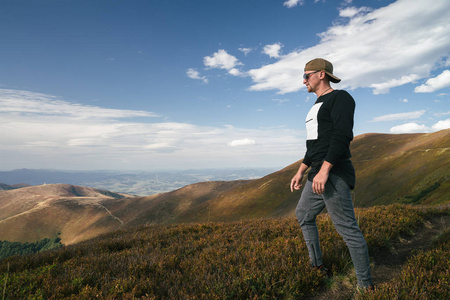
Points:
x=425 y=276
x=255 y=259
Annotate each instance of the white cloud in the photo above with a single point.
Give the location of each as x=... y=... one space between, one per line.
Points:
x=281 y=101
x=293 y=3
x=246 y=51
x=194 y=74
x=384 y=48
x=383 y=88
x=434 y=84
x=399 y=116
x=444 y=124
x=42 y=131
x=350 y=12
x=244 y=142
x=409 y=128
x=23 y=103
x=222 y=60
x=273 y=50
x=441 y=114
x=236 y=72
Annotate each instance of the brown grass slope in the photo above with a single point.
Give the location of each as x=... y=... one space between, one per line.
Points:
x=166 y=207
x=80 y=213
x=389 y=168
x=402 y=168
x=33 y=213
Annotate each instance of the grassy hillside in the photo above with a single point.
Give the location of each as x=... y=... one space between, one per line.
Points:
x=32 y=213
x=402 y=168
x=166 y=207
x=259 y=259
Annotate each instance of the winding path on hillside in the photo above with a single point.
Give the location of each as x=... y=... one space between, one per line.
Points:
x=109 y=213
x=386 y=265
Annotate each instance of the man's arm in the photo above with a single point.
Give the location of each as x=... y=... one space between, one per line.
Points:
x=342 y=114
x=295 y=182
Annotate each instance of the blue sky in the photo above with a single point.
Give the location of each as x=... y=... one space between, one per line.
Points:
x=156 y=84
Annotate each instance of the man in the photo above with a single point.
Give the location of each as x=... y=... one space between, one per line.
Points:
x=329 y=126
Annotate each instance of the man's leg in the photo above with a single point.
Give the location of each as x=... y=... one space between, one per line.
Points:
x=309 y=206
x=338 y=200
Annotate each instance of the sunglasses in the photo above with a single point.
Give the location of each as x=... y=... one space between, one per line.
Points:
x=306 y=76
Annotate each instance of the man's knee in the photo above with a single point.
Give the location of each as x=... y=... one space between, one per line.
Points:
x=300 y=213
x=305 y=217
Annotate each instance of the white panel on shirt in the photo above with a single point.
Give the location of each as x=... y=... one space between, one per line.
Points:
x=312 y=126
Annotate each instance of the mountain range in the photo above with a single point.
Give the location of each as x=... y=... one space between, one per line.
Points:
x=134 y=183
x=404 y=168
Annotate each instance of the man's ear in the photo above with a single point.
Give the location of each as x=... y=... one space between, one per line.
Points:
x=324 y=76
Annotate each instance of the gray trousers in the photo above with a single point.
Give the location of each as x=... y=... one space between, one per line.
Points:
x=338 y=201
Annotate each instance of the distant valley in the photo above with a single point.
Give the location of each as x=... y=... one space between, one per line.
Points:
x=134 y=183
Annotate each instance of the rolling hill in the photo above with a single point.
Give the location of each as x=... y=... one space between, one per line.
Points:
x=404 y=168
x=76 y=213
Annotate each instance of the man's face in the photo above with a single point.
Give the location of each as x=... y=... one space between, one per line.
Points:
x=311 y=80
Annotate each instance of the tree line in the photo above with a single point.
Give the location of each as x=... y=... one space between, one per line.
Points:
x=16 y=248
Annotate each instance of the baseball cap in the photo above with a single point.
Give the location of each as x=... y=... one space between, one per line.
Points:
x=320 y=64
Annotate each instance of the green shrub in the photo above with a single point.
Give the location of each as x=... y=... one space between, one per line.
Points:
x=15 y=248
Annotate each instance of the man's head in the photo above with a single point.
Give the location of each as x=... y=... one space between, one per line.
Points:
x=320 y=64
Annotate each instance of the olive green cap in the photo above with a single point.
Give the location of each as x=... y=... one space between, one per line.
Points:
x=320 y=64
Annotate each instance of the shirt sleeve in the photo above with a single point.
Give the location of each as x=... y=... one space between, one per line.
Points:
x=342 y=114
x=307 y=160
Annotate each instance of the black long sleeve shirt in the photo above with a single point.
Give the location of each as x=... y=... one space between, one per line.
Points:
x=329 y=126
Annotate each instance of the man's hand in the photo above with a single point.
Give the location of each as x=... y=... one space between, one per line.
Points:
x=319 y=181
x=295 y=182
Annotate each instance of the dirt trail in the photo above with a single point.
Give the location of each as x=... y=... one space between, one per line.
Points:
x=387 y=264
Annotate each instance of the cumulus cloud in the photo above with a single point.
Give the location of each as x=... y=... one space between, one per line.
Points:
x=194 y=74
x=236 y=72
x=408 y=52
x=444 y=124
x=409 y=128
x=399 y=116
x=244 y=142
x=222 y=60
x=434 y=84
x=42 y=131
x=273 y=50
x=293 y=3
